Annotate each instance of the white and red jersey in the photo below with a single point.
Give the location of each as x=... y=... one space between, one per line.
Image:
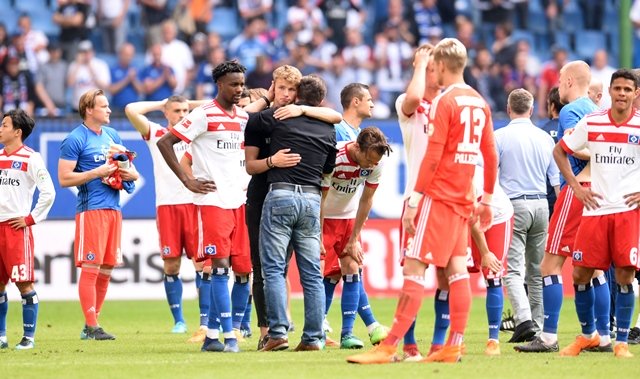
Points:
x=169 y=189
x=415 y=136
x=615 y=157
x=216 y=141
x=500 y=203
x=345 y=185
x=20 y=173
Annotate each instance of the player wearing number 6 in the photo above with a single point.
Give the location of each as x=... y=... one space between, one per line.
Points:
x=460 y=129
x=21 y=171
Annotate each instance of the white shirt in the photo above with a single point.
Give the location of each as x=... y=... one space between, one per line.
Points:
x=217 y=149
x=20 y=173
x=177 y=55
x=500 y=203
x=84 y=79
x=615 y=158
x=414 y=134
x=345 y=185
x=169 y=189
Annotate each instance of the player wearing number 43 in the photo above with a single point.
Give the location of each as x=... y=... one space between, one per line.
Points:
x=21 y=171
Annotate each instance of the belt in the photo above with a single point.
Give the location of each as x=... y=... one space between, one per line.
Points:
x=529 y=197
x=295 y=188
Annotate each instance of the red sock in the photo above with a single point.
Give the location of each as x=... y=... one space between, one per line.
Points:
x=459 y=306
x=101 y=291
x=87 y=292
x=407 y=309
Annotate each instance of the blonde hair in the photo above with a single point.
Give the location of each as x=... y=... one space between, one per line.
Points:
x=287 y=73
x=452 y=52
x=88 y=101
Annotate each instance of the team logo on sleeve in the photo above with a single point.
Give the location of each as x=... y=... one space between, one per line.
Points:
x=365 y=172
x=186 y=123
x=166 y=250
x=633 y=139
x=91 y=256
x=210 y=250
x=577 y=256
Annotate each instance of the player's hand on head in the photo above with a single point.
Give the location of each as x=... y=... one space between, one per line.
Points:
x=283 y=158
x=421 y=57
x=18 y=223
x=200 y=186
x=408 y=220
x=632 y=200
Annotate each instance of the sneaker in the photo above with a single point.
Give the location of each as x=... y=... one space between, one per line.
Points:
x=448 y=354
x=326 y=327
x=95 y=333
x=212 y=345
x=608 y=348
x=537 y=346
x=246 y=331
x=434 y=347
x=262 y=341
x=508 y=323
x=410 y=353
x=198 y=336
x=493 y=348
x=276 y=344
x=302 y=346
x=349 y=341
x=179 y=328
x=231 y=346
x=621 y=350
x=379 y=354
x=238 y=334
x=523 y=332
x=581 y=343
x=330 y=342
x=4 y=344
x=634 y=336
x=378 y=334
x=25 y=344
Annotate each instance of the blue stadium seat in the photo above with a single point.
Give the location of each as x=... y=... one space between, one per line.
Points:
x=42 y=19
x=588 y=42
x=10 y=20
x=5 y=4
x=537 y=21
x=562 y=39
x=31 y=5
x=572 y=18
x=225 y=22
x=520 y=34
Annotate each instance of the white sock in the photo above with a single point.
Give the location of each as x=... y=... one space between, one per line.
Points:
x=549 y=338
x=605 y=340
x=372 y=326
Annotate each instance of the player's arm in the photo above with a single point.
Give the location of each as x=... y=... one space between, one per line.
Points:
x=415 y=89
x=353 y=248
x=263 y=102
x=165 y=145
x=186 y=163
x=483 y=211
x=489 y=259
x=320 y=113
x=68 y=178
x=47 y=194
x=553 y=174
x=136 y=114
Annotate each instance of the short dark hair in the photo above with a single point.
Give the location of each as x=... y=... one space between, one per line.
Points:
x=554 y=99
x=311 y=90
x=21 y=120
x=372 y=138
x=225 y=68
x=625 y=74
x=350 y=91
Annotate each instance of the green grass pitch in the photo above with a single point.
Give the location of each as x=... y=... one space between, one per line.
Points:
x=145 y=348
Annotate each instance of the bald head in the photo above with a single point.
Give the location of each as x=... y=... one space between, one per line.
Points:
x=580 y=72
x=574 y=81
x=595 y=91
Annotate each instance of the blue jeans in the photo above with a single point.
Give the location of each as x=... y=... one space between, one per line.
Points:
x=292 y=215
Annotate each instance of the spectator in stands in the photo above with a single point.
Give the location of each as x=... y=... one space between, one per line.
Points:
x=549 y=77
x=504 y=47
x=494 y=12
x=51 y=83
x=488 y=82
x=213 y=40
x=250 y=9
x=262 y=76
x=125 y=87
x=205 y=88
x=427 y=19
x=336 y=77
x=27 y=58
x=601 y=71
x=158 y=80
x=177 y=55
x=552 y=11
x=533 y=65
x=202 y=13
x=339 y=15
x=71 y=16
x=300 y=58
x=4 y=44
x=592 y=11
x=86 y=72
x=248 y=45
x=359 y=56
x=199 y=49
x=380 y=109
x=402 y=18
x=394 y=56
x=112 y=19
x=321 y=50
x=35 y=41
x=303 y=17
x=283 y=46
x=152 y=14
x=465 y=33
x=16 y=88
x=518 y=77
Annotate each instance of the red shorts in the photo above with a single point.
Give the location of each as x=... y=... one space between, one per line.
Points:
x=406 y=240
x=222 y=233
x=16 y=254
x=603 y=239
x=98 y=236
x=564 y=222
x=498 y=240
x=176 y=230
x=335 y=235
x=441 y=234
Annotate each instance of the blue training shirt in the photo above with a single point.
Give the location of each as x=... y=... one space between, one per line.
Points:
x=569 y=116
x=345 y=132
x=89 y=150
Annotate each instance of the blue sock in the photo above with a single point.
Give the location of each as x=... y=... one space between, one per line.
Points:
x=246 y=320
x=239 y=297
x=409 y=336
x=4 y=309
x=602 y=305
x=29 y=313
x=329 y=289
x=551 y=302
x=585 y=299
x=364 y=308
x=624 y=311
x=173 y=289
x=204 y=297
x=213 y=321
x=220 y=295
x=494 y=304
x=441 y=305
x=349 y=304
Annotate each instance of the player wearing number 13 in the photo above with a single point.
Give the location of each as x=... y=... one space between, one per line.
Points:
x=21 y=171
x=460 y=130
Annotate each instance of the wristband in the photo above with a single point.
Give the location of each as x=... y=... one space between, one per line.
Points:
x=270 y=163
x=414 y=199
x=266 y=101
x=485 y=204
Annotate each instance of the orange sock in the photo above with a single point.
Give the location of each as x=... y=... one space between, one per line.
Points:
x=459 y=306
x=101 y=291
x=87 y=292
x=407 y=309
